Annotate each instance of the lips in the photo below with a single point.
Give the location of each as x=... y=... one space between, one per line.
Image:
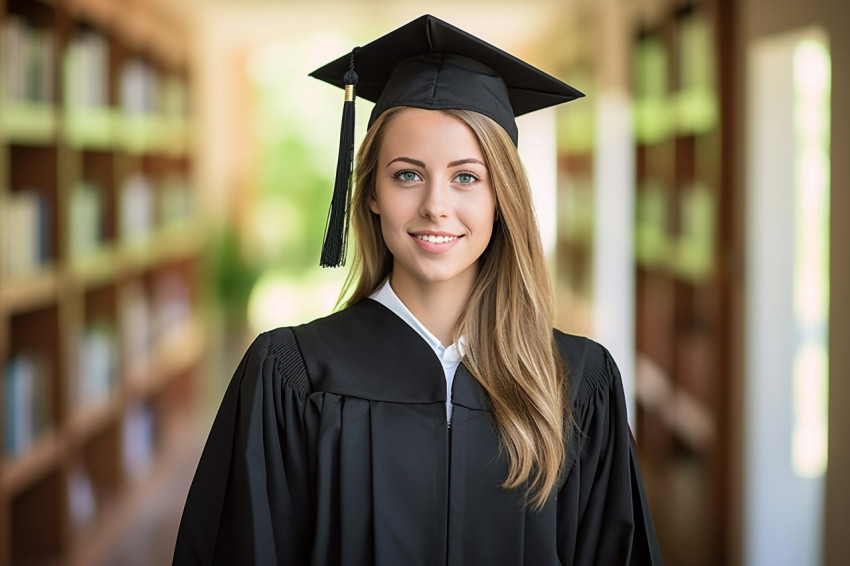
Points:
x=435 y=242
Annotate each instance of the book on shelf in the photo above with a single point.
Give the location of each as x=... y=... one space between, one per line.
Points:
x=86 y=71
x=176 y=202
x=28 y=61
x=576 y=208
x=652 y=239
x=137 y=208
x=654 y=117
x=140 y=88
x=86 y=210
x=695 y=254
x=25 y=220
x=697 y=103
x=98 y=364
x=135 y=320
x=576 y=131
x=82 y=502
x=172 y=303
x=138 y=440
x=26 y=394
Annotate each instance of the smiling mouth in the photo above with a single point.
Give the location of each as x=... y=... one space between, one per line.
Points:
x=435 y=239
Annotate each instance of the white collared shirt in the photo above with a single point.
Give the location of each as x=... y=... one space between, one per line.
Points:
x=449 y=356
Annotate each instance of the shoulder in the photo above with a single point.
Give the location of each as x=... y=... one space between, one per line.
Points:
x=588 y=365
x=365 y=351
x=276 y=352
x=289 y=355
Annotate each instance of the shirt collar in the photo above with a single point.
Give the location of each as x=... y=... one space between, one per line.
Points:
x=387 y=297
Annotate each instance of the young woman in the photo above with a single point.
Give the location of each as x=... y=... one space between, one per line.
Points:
x=437 y=418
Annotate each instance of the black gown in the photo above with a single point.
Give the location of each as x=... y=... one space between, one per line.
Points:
x=331 y=447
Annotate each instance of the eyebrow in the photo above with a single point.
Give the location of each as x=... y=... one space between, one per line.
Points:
x=422 y=164
x=408 y=160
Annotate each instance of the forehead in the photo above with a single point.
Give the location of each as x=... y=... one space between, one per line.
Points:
x=420 y=133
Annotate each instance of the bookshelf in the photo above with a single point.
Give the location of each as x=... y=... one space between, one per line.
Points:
x=101 y=336
x=576 y=202
x=683 y=274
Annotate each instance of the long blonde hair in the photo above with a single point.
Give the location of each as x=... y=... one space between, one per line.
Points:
x=507 y=323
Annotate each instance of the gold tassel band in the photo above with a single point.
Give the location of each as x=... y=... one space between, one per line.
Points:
x=349 y=93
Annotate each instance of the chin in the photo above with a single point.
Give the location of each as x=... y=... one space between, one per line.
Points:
x=434 y=276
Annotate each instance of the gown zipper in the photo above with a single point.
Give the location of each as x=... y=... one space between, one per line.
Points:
x=449 y=487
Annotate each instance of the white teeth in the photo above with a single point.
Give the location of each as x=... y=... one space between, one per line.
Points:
x=437 y=239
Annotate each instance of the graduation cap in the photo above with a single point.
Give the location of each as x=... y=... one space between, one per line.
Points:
x=429 y=64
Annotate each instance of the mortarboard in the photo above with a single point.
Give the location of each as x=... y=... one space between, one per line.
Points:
x=430 y=64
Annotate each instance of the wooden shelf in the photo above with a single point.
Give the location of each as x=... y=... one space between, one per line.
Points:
x=96 y=268
x=28 y=123
x=91 y=128
x=25 y=468
x=22 y=293
x=150 y=133
x=179 y=241
x=115 y=261
x=100 y=12
x=687 y=417
x=88 y=419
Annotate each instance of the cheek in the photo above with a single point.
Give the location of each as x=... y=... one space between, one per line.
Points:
x=481 y=213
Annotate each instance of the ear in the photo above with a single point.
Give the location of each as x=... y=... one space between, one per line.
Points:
x=373 y=206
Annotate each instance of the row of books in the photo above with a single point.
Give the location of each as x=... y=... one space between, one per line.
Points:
x=26 y=402
x=143 y=321
x=25 y=231
x=142 y=208
x=143 y=89
x=138 y=436
x=147 y=313
x=675 y=86
x=29 y=56
x=28 y=61
x=26 y=219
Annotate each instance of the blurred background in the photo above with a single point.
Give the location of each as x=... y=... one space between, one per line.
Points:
x=165 y=170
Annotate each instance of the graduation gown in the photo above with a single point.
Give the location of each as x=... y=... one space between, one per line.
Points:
x=331 y=447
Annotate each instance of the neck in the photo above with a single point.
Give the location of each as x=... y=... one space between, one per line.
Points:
x=437 y=306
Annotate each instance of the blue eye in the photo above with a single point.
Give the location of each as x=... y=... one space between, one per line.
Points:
x=466 y=178
x=407 y=176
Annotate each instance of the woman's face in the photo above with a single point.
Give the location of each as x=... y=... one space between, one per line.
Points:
x=434 y=198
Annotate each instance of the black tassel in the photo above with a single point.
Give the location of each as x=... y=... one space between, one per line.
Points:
x=336 y=230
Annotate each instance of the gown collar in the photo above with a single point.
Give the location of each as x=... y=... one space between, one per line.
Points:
x=387 y=297
x=367 y=351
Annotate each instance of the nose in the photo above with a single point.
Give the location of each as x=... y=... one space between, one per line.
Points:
x=436 y=200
